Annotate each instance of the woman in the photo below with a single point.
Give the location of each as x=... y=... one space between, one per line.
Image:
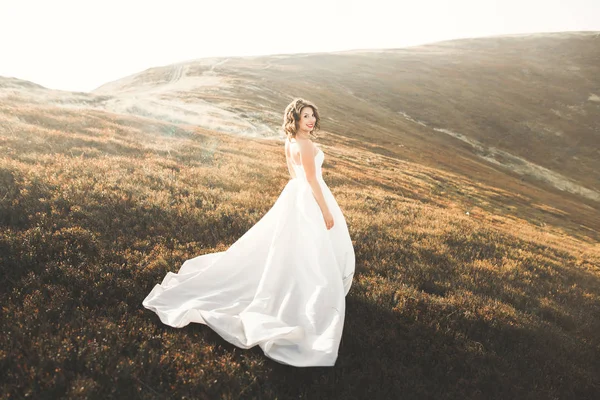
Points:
x=282 y=285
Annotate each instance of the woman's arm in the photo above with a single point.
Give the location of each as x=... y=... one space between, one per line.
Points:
x=307 y=154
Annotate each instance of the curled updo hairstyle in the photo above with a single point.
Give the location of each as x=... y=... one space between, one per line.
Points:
x=291 y=117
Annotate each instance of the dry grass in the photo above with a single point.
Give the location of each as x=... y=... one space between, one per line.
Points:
x=95 y=208
x=515 y=115
x=530 y=96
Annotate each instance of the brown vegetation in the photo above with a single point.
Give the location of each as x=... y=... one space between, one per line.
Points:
x=96 y=207
x=534 y=96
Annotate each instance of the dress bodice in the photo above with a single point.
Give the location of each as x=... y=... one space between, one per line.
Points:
x=299 y=169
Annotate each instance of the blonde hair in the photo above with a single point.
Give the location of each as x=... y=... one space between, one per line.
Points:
x=291 y=117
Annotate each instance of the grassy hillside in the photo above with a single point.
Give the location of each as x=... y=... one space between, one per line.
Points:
x=96 y=207
x=510 y=101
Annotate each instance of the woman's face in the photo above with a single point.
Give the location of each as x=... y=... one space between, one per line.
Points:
x=307 y=119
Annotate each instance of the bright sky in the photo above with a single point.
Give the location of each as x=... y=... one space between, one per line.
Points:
x=81 y=44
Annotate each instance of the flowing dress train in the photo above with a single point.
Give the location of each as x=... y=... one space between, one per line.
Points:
x=281 y=286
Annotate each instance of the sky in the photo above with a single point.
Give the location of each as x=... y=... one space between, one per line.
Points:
x=80 y=45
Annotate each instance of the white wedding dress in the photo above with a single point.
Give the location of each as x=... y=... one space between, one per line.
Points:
x=282 y=285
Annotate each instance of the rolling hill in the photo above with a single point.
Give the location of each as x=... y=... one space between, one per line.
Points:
x=467 y=171
x=518 y=112
x=529 y=103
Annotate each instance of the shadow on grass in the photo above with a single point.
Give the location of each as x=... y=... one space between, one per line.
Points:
x=386 y=355
x=431 y=315
x=77 y=323
x=426 y=323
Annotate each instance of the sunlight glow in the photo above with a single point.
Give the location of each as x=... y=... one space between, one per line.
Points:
x=80 y=45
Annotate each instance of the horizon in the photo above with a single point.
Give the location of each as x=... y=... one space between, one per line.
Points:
x=109 y=41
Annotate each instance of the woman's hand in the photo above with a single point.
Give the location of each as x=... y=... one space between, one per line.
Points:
x=328 y=219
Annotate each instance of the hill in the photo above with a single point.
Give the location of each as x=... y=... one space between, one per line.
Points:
x=520 y=113
x=471 y=284
x=529 y=104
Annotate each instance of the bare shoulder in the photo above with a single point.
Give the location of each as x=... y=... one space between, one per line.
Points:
x=306 y=146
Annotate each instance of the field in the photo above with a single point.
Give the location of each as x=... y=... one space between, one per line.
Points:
x=459 y=291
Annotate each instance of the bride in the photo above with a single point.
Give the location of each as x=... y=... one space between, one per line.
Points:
x=282 y=285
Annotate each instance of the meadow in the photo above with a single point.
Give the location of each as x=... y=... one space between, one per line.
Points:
x=452 y=299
